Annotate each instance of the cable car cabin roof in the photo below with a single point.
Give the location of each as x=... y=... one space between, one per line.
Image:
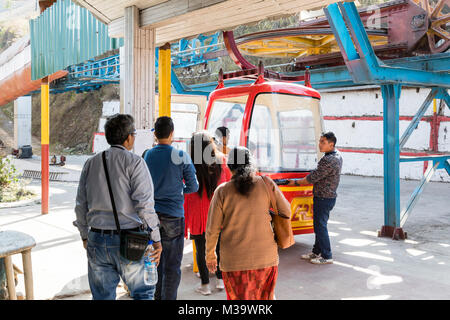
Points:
x=265 y=87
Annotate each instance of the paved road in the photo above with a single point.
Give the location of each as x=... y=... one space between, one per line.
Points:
x=366 y=267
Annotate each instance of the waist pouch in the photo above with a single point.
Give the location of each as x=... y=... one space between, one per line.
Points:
x=133 y=244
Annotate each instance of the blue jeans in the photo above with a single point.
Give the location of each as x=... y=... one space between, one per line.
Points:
x=169 y=269
x=321 y=213
x=106 y=266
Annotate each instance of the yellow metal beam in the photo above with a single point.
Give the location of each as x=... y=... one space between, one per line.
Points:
x=298 y=46
x=164 y=81
x=327 y=39
x=45 y=113
x=45 y=141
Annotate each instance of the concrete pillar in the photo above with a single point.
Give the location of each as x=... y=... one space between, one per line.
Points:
x=122 y=79
x=22 y=122
x=139 y=70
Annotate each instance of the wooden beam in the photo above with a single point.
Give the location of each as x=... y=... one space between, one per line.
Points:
x=228 y=15
x=97 y=13
x=28 y=274
x=161 y=13
x=176 y=19
x=10 y=278
x=172 y=10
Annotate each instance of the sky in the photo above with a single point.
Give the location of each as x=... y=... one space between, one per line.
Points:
x=13 y=10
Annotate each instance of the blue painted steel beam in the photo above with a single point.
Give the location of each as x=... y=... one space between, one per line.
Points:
x=180 y=88
x=338 y=26
x=103 y=69
x=447 y=167
x=335 y=77
x=435 y=158
x=417 y=192
x=323 y=78
x=211 y=86
x=391 y=154
x=439 y=62
x=443 y=95
x=366 y=68
x=415 y=121
x=186 y=56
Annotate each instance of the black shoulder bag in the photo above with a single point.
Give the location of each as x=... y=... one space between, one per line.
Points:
x=132 y=243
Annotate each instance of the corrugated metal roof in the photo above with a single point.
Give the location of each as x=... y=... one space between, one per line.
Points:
x=66 y=34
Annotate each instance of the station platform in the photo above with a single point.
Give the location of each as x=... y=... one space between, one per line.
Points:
x=365 y=266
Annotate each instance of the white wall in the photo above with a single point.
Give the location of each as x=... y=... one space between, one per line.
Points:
x=368 y=134
x=22 y=122
x=366 y=103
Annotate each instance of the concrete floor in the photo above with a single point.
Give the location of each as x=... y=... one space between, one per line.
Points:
x=366 y=267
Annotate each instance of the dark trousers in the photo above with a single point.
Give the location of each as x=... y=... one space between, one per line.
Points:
x=200 y=246
x=321 y=213
x=169 y=269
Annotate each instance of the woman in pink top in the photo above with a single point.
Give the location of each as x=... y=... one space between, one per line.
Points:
x=211 y=171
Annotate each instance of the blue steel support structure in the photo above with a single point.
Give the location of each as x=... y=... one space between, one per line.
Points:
x=364 y=67
x=391 y=153
x=179 y=87
x=420 y=113
x=93 y=74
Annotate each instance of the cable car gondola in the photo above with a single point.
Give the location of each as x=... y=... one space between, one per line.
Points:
x=280 y=123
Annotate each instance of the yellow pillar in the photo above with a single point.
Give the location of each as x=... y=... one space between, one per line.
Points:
x=45 y=128
x=164 y=81
x=194 y=253
x=45 y=141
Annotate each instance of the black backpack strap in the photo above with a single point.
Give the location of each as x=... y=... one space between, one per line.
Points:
x=116 y=218
x=145 y=151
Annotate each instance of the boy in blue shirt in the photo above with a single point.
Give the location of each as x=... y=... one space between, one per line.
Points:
x=168 y=168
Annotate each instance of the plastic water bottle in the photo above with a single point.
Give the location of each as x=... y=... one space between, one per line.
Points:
x=150 y=269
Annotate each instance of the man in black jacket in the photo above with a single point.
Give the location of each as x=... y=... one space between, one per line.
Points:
x=325 y=180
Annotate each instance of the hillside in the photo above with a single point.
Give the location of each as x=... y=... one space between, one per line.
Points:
x=73 y=120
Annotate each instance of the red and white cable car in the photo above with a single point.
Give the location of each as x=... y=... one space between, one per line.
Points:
x=281 y=124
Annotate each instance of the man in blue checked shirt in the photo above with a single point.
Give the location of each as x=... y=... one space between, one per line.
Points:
x=173 y=176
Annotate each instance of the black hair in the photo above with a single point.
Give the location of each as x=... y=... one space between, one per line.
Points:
x=330 y=137
x=208 y=172
x=239 y=162
x=222 y=132
x=163 y=127
x=118 y=127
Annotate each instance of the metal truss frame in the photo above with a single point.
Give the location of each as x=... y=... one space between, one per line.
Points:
x=365 y=68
